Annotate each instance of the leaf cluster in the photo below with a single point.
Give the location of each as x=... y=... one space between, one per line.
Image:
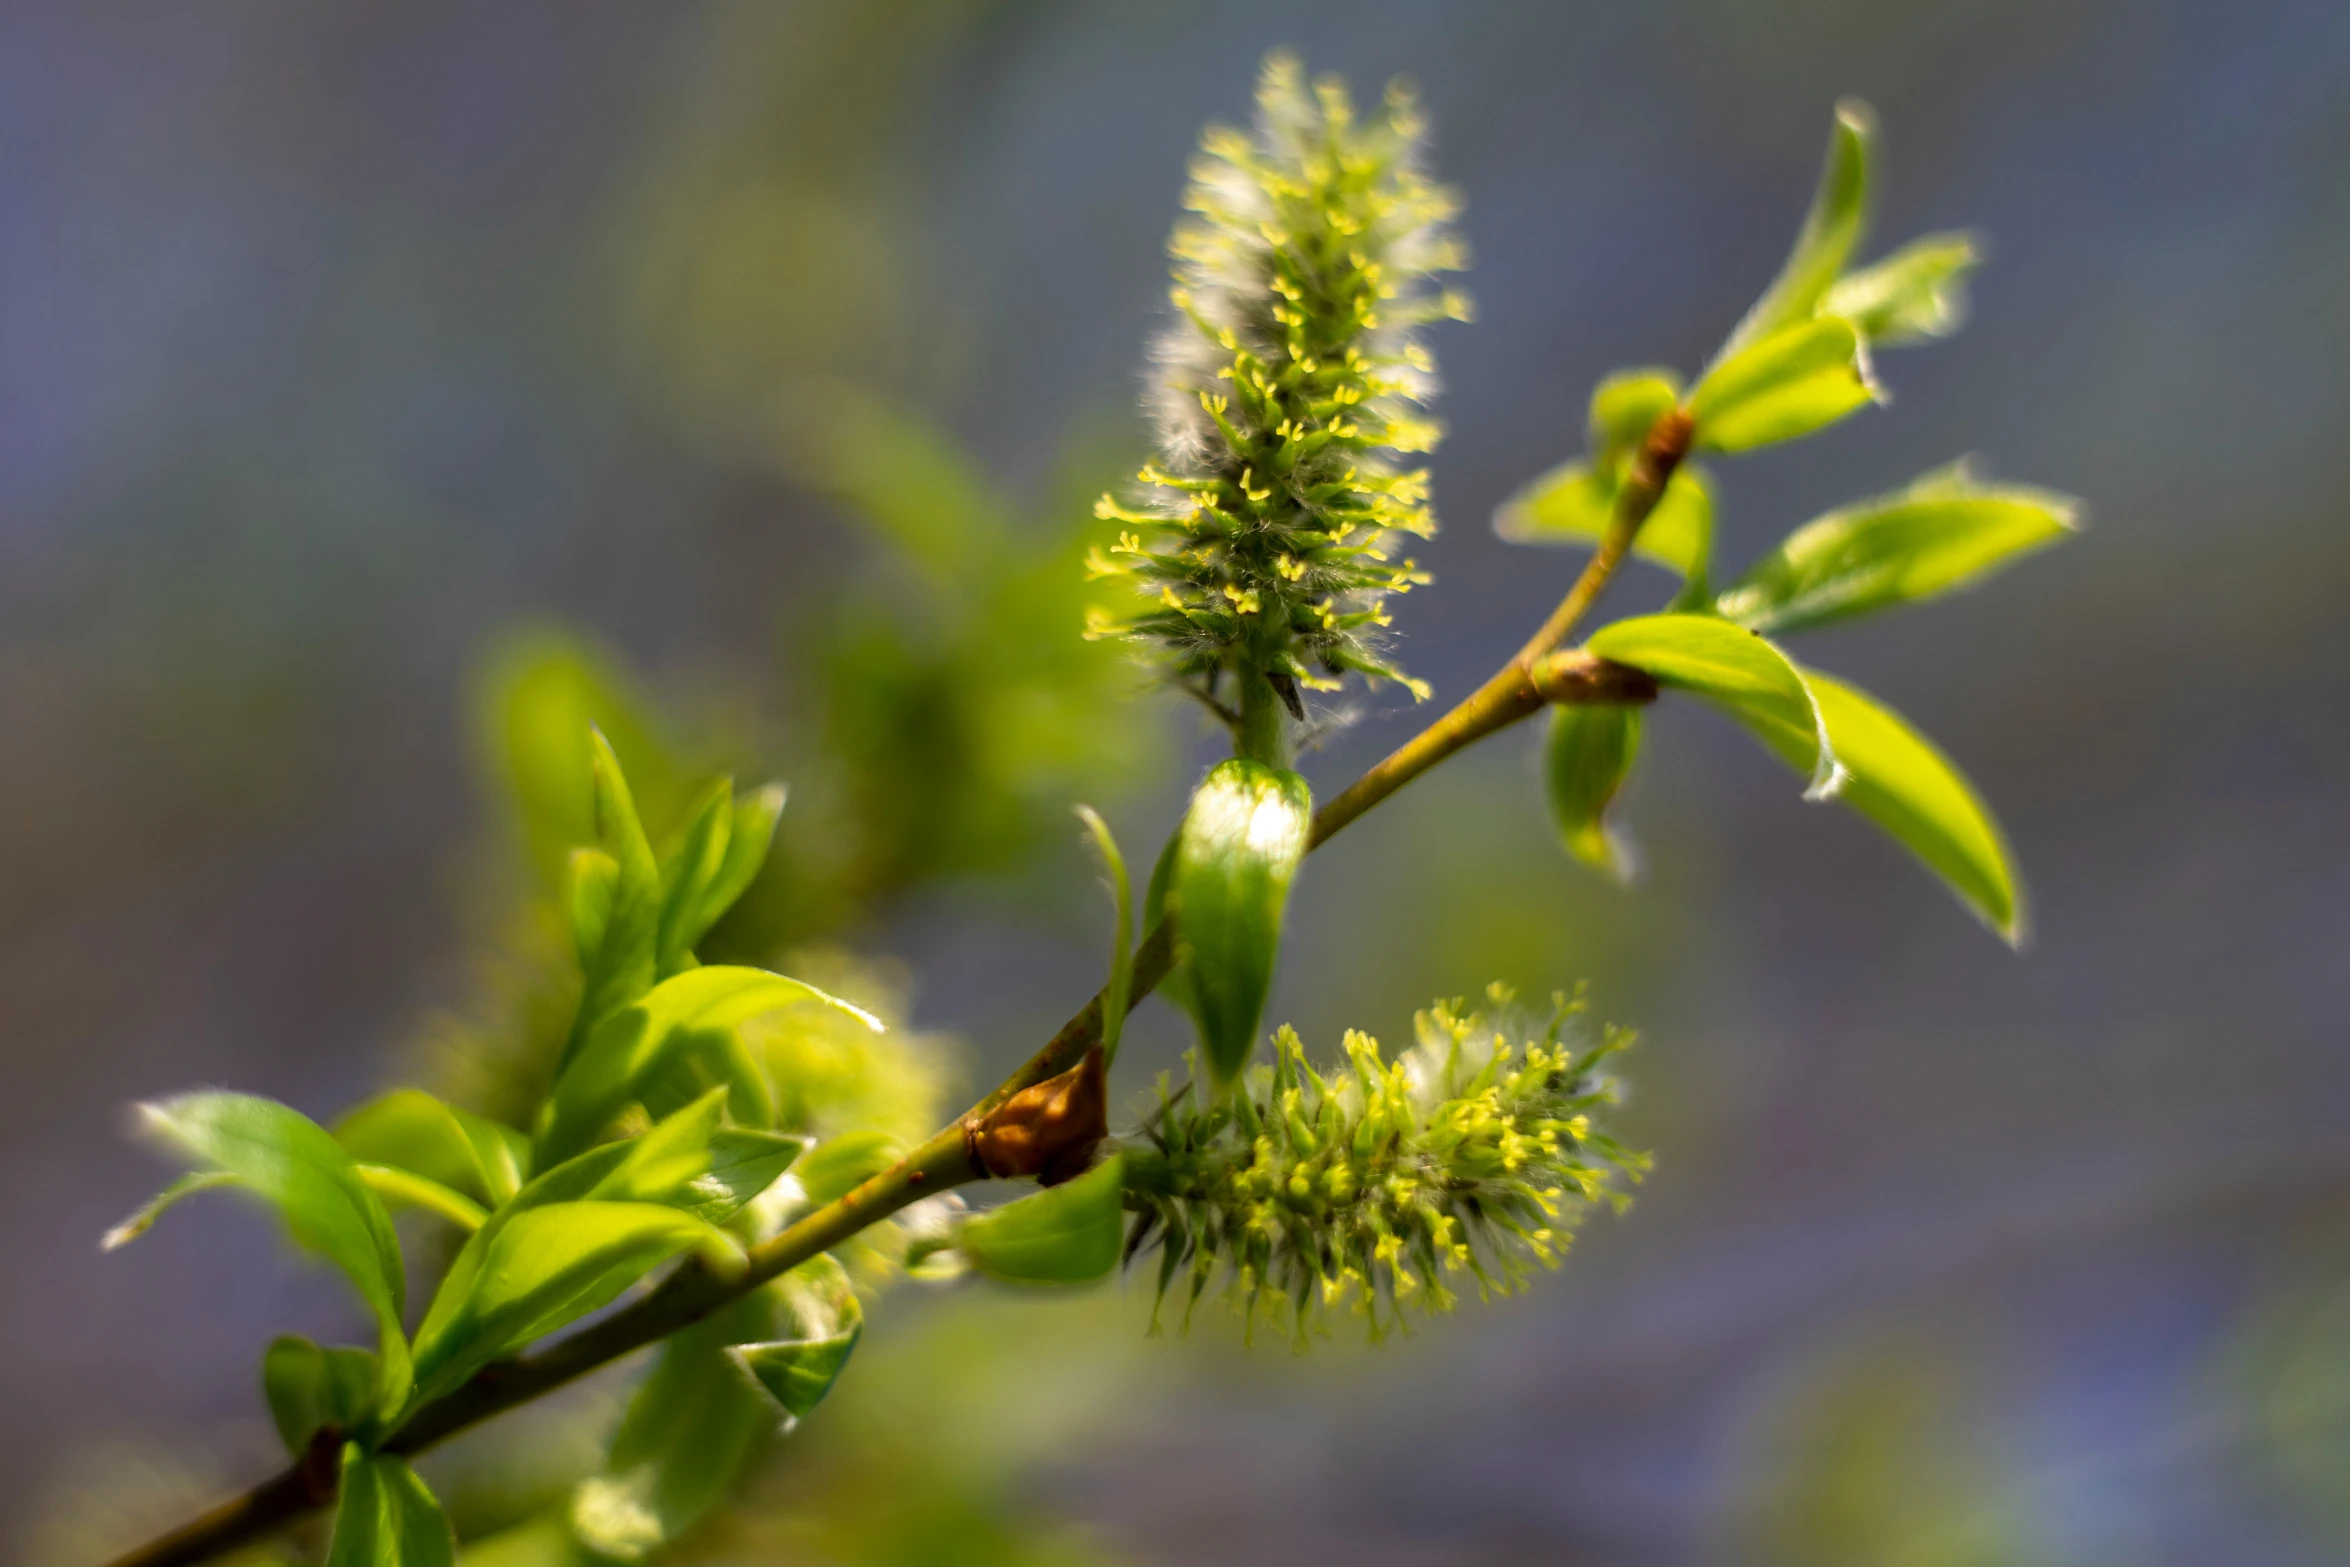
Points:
x=659 y=1133
x=1799 y=362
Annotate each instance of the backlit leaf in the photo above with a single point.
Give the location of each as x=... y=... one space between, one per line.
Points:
x=1737 y=671
x=747 y=844
x=687 y=873
x=1590 y=752
x=1947 y=531
x=693 y=1423
x=309 y=1388
x=1902 y=783
x=527 y=1273
x=1626 y=405
x=821 y=1321
x=407 y=1189
x=1568 y=506
x=1066 y=1234
x=1797 y=381
x=1831 y=229
x=384 y=1517
x=630 y=1047
x=1236 y=854
x=411 y=1130
x=1915 y=294
x=839 y=1165
x=296 y=1166
x=624 y=965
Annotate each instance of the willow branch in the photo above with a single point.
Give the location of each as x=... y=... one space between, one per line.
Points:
x=1539 y=675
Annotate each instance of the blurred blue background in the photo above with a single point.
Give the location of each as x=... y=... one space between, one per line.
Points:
x=336 y=342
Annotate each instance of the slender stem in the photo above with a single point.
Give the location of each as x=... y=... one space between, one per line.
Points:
x=1513 y=692
x=1538 y=675
x=1262 y=735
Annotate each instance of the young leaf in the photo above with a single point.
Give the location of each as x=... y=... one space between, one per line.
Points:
x=409 y=1190
x=839 y=1165
x=1114 y=997
x=1947 y=531
x=820 y=1324
x=686 y=874
x=296 y=1166
x=593 y=882
x=309 y=1388
x=623 y=967
x=1831 y=230
x=1737 y=671
x=1625 y=406
x=408 y=1129
x=1066 y=1234
x=1569 y=505
x=1236 y=854
x=1797 y=381
x=632 y=1045
x=747 y=844
x=692 y=1425
x=1902 y=783
x=386 y=1518
x=526 y=1274
x=162 y=1203
x=1590 y=752
x=1915 y=294
x=686 y=1160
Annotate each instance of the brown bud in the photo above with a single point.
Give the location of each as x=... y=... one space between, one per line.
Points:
x=1048 y=1131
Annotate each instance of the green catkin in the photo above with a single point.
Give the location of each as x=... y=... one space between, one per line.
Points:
x=1382 y=1186
x=1264 y=540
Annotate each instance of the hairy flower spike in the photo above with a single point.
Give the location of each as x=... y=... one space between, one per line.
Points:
x=1267 y=529
x=1383 y=1183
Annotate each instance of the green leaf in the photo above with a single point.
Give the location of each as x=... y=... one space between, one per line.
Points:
x=693 y=1424
x=527 y=1273
x=744 y=1161
x=1114 y=993
x=1066 y=1234
x=819 y=1322
x=1236 y=854
x=310 y=1388
x=386 y=1518
x=1625 y=406
x=296 y=1166
x=593 y=882
x=686 y=875
x=408 y=1129
x=1831 y=230
x=1568 y=505
x=629 y=1048
x=687 y=1166
x=624 y=965
x=748 y=842
x=1947 y=531
x=1902 y=783
x=1915 y=294
x=1590 y=752
x=162 y=1203
x=686 y=1160
x=1793 y=383
x=839 y=1165
x=405 y=1188
x=1737 y=671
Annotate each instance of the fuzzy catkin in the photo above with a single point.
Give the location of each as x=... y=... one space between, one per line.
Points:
x=1380 y=1186
x=1265 y=537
